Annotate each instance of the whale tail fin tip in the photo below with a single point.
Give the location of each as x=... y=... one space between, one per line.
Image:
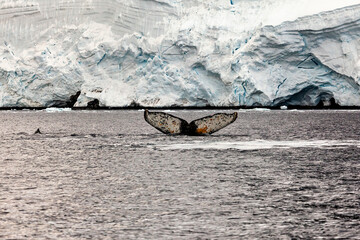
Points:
x=213 y=123
x=165 y=123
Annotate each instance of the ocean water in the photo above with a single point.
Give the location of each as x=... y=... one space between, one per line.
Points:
x=110 y=175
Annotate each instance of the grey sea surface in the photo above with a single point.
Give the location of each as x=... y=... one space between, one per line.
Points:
x=110 y=175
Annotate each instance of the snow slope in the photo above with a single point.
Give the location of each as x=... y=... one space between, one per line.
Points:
x=179 y=53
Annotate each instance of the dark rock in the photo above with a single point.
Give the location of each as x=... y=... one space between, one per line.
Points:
x=66 y=103
x=328 y=104
x=333 y=103
x=134 y=104
x=73 y=99
x=94 y=104
x=320 y=104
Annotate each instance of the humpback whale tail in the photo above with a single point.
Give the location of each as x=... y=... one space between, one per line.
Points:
x=169 y=124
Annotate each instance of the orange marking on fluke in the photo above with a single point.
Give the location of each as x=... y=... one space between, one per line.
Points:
x=202 y=130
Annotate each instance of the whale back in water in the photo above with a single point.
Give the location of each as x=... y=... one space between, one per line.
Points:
x=169 y=124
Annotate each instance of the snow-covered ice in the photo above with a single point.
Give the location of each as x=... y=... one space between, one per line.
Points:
x=179 y=53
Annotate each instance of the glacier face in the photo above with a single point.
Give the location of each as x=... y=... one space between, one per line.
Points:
x=178 y=53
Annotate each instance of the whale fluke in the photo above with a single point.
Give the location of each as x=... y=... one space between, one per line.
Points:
x=169 y=124
x=165 y=123
x=213 y=123
x=37 y=131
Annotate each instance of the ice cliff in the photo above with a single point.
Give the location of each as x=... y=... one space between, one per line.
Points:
x=179 y=53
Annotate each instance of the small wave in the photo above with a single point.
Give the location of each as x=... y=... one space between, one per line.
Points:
x=57 y=110
x=257 y=110
x=262 y=144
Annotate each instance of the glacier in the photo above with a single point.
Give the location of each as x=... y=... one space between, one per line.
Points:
x=178 y=53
